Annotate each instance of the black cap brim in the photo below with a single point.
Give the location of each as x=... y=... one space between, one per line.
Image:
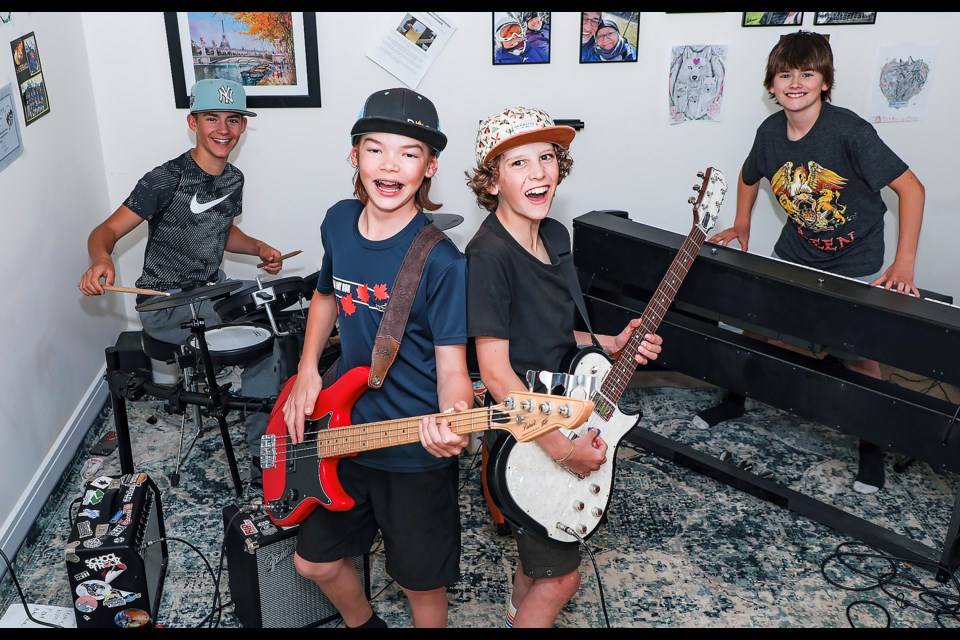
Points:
x=436 y=139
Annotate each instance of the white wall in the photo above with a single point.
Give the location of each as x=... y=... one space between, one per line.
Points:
x=627 y=157
x=52 y=341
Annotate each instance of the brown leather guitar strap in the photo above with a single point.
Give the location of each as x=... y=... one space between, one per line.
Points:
x=394 y=320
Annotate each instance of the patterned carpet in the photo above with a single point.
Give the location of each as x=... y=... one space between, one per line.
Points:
x=679 y=549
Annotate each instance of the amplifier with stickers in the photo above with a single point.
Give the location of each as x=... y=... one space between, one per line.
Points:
x=116 y=554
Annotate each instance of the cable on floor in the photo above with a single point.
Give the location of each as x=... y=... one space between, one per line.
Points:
x=23 y=598
x=466 y=471
x=896 y=583
x=202 y=557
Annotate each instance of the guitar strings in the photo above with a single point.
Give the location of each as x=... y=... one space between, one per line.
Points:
x=619 y=376
x=331 y=439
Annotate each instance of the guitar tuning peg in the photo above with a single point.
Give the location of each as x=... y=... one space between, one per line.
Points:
x=691 y=200
x=696 y=187
x=700 y=174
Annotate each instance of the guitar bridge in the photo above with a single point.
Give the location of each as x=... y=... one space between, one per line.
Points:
x=268 y=451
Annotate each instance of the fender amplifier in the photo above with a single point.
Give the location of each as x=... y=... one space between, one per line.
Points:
x=266 y=590
x=117 y=553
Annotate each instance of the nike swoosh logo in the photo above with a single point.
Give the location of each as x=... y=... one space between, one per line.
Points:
x=197 y=207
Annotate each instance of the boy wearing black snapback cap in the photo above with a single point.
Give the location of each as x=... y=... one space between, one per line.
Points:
x=408 y=493
x=190 y=204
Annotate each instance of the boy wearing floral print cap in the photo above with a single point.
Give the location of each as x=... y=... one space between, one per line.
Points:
x=522 y=157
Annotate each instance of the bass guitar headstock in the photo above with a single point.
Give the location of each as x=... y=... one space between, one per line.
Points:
x=529 y=415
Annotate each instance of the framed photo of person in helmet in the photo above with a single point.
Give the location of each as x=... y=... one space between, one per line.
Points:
x=521 y=37
x=609 y=36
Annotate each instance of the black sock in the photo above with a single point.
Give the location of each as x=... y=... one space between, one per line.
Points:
x=871 y=469
x=375 y=622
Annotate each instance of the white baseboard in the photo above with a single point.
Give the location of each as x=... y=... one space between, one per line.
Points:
x=35 y=496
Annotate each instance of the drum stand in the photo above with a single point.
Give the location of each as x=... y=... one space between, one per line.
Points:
x=132 y=385
x=218 y=409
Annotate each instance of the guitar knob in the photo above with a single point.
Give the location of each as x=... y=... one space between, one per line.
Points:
x=597 y=511
x=578 y=505
x=582 y=528
x=595 y=488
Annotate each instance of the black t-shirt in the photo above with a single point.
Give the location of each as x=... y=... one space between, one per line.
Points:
x=513 y=296
x=829 y=184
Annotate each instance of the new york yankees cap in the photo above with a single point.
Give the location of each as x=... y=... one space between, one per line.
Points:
x=219 y=95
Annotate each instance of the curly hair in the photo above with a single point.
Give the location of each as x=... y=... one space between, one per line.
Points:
x=488 y=174
x=421 y=199
x=801 y=50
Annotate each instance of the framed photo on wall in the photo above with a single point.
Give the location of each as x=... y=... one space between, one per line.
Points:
x=844 y=17
x=772 y=18
x=273 y=54
x=521 y=37
x=609 y=36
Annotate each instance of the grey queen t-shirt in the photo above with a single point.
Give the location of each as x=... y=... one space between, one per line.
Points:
x=829 y=184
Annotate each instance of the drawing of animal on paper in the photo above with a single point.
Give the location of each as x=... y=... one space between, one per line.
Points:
x=696 y=82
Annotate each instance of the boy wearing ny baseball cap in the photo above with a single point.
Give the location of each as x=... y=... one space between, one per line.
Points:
x=408 y=493
x=190 y=204
x=521 y=313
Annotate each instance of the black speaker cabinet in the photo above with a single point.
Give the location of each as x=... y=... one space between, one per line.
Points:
x=266 y=590
x=117 y=553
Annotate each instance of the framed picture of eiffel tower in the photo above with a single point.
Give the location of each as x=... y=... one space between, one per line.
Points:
x=273 y=54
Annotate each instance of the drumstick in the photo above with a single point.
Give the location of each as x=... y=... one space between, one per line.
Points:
x=148 y=292
x=282 y=258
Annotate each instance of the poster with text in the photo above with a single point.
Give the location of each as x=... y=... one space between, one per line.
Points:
x=33 y=91
x=10 y=146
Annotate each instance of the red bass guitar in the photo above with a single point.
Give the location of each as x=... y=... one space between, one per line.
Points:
x=299 y=477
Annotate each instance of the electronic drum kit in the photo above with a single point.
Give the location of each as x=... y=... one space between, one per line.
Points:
x=254 y=316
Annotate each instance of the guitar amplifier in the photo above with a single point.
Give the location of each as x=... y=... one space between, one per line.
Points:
x=116 y=553
x=266 y=590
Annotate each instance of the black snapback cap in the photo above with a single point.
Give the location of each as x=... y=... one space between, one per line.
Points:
x=403 y=112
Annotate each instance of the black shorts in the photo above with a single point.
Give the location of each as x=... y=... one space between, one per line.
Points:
x=418 y=515
x=544 y=557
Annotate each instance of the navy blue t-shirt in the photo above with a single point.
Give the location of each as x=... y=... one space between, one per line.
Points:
x=360 y=272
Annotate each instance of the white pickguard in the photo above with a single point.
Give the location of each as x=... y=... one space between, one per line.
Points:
x=550 y=494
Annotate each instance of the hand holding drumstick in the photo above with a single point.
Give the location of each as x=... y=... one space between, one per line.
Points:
x=277 y=260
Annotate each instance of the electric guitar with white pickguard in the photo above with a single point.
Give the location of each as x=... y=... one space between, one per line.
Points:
x=297 y=478
x=533 y=490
